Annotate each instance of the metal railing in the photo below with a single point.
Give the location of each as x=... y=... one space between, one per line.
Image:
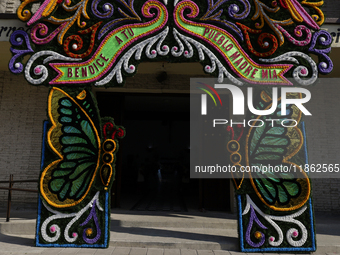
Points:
x=10 y=189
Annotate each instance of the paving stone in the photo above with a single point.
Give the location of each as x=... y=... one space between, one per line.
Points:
x=205 y=252
x=21 y=253
x=172 y=252
x=71 y=251
x=155 y=251
x=237 y=253
x=138 y=251
x=220 y=252
x=52 y=250
x=121 y=251
x=188 y=252
x=107 y=251
x=87 y=251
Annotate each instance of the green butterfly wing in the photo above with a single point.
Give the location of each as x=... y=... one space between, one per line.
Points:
x=74 y=137
x=80 y=150
x=280 y=184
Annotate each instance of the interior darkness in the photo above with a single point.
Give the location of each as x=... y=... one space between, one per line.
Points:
x=152 y=167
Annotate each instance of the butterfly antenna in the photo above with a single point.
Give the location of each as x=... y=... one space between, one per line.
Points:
x=107 y=126
x=230 y=129
x=120 y=133
x=241 y=133
x=113 y=134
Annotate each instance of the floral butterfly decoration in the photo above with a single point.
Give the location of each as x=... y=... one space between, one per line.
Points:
x=275 y=180
x=85 y=166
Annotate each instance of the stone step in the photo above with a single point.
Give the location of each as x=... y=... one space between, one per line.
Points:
x=183 y=238
x=25 y=227
x=199 y=239
x=173 y=222
x=18 y=227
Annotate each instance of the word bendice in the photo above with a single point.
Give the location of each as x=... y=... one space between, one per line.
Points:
x=91 y=69
x=238 y=100
x=101 y=61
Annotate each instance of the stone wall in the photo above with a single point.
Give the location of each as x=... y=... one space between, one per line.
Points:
x=323 y=141
x=22 y=111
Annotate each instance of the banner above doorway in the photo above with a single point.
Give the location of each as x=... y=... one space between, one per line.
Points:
x=100 y=43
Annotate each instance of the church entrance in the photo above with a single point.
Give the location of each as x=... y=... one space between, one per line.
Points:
x=152 y=167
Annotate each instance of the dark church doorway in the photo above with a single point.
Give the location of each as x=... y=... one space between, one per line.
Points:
x=152 y=167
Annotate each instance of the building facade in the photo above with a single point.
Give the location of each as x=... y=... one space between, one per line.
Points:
x=23 y=110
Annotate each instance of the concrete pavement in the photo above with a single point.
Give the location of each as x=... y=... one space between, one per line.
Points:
x=153 y=233
x=19 y=245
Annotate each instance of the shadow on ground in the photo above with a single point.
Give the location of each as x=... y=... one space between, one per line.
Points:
x=19 y=240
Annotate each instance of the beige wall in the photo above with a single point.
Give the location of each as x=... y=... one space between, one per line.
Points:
x=323 y=141
x=22 y=111
x=5 y=55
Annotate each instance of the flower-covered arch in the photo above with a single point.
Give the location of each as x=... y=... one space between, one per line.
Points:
x=76 y=44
